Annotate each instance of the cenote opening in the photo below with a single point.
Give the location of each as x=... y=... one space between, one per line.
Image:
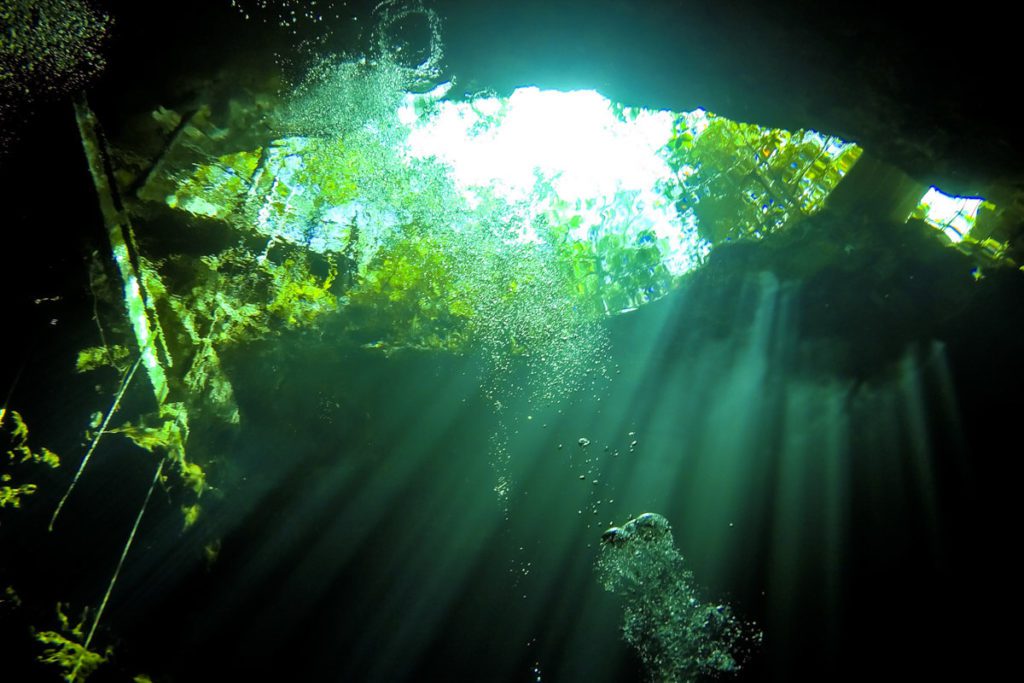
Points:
x=454 y=341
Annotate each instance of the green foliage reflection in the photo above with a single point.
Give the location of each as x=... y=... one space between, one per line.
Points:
x=741 y=180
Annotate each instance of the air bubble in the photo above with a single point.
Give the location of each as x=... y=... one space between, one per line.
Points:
x=677 y=636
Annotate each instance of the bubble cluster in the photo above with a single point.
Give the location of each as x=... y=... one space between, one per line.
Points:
x=425 y=266
x=338 y=97
x=516 y=300
x=677 y=635
x=537 y=342
x=522 y=315
x=48 y=48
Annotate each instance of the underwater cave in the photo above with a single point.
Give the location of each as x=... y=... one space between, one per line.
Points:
x=547 y=341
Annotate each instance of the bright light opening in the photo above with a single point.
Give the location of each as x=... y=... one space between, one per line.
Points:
x=954 y=216
x=552 y=148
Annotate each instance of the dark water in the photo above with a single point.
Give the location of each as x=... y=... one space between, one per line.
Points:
x=835 y=453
